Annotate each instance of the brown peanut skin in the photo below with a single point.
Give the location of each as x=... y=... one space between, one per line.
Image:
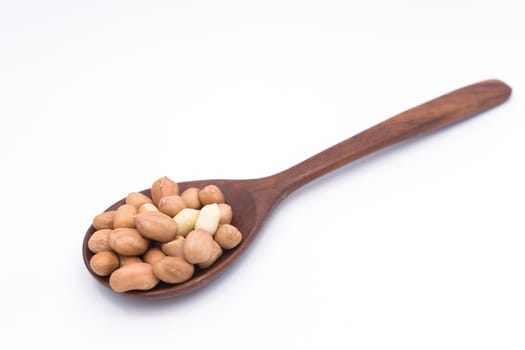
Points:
x=228 y=236
x=175 y=247
x=125 y=216
x=153 y=255
x=190 y=196
x=198 y=246
x=157 y=226
x=211 y=194
x=216 y=254
x=104 y=263
x=171 y=205
x=137 y=199
x=172 y=269
x=163 y=187
x=137 y=276
x=98 y=242
x=128 y=242
x=104 y=220
x=226 y=213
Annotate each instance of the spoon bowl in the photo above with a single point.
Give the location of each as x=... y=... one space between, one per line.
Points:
x=248 y=216
x=253 y=200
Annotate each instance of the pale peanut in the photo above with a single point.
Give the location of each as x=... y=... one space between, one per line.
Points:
x=208 y=219
x=186 y=220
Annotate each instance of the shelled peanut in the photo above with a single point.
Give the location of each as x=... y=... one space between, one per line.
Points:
x=148 y=240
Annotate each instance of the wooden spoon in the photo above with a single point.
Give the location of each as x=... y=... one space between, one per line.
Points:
x=252 y=200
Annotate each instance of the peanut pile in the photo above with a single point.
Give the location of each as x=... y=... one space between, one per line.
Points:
x=147 y=240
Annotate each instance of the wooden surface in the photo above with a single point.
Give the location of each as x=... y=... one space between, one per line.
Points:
x=253 y=200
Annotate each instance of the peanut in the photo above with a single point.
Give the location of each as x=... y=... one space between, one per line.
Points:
x=190 y=196
x=104 y=220
x=157 y=226
x=172 y=269
x=125 y=216
x=104 y=263
x=226 y=213
x=137 y=276
x=171 y=205
x=137 y=199
x=198 y=246
x=175 y=247
x=163 y=187
x=127 y=241
x=185 y=220
x=98 y=242
x=228 y=236
x=216 y=253
x=211 y=194
x=208 y=219
x=153 y=255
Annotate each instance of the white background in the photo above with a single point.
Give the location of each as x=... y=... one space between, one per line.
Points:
x=421 y=246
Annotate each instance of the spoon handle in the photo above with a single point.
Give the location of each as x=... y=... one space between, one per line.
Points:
x=435 y=114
